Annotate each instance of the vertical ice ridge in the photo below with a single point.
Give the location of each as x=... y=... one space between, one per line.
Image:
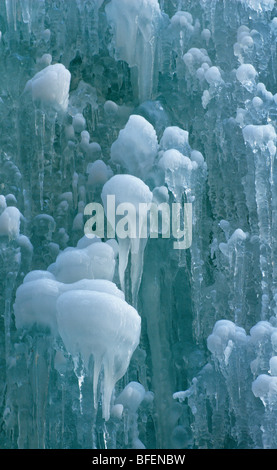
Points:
x=140 y=21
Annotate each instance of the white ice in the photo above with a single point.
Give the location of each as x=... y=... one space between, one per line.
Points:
x=96 y=261
x=9 y=220
x=259 y=135
x=136 y=147
x=246 y=75
x=128 y=189
x=50 y=86
x=102 y=326
x=175 y=138
x=131 y=397
x=273 y=365
x=79 y=123
x=98 y=173
x=223 y=332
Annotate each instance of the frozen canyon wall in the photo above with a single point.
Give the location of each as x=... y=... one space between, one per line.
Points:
x=111 y=342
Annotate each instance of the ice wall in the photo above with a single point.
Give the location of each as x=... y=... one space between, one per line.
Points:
x=111 y=342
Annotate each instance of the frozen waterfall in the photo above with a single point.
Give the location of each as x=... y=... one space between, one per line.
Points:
x=138 y=224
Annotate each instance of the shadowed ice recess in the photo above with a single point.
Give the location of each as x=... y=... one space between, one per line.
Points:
x=127 y=342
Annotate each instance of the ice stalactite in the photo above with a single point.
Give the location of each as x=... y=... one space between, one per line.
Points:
x=141 y=22
x=262 y=140
x=184 y=172
x=235 y=252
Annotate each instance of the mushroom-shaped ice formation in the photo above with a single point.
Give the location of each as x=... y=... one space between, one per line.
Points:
x=175 y=138
x=98 y=173
x=96 y=261
x=136 y=147
x=38 y=274
x=265 y=387
x=35 y=302
x=10 y=222
x=102 y=326
x=236 y=239
x=259 y=135
x=224 y=332
x=246 y=75
x=50 y=86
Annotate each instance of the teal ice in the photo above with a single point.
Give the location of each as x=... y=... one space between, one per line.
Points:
x=128 y=343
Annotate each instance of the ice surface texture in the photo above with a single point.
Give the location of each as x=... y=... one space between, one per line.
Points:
x=110 y=342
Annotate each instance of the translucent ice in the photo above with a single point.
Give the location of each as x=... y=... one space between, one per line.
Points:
x=178 y=170
x=145 y=101
x=259 y=5
x=132 y=396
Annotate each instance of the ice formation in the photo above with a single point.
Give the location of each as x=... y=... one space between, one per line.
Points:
x=50 y=86
x=114 y=338
x=96 y=261
x=136 y=156
x=9 y=220
x=104 y=326
x=140 y=21
x=128 y=189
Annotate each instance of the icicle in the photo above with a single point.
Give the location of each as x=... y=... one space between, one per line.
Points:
x=80 y=374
